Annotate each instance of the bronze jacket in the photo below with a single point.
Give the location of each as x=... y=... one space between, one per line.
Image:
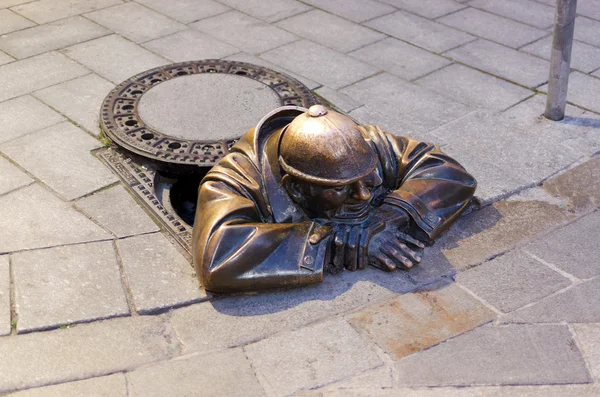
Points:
x=249 y=235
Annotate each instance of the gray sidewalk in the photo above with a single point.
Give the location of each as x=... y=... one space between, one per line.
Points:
x=95 y=299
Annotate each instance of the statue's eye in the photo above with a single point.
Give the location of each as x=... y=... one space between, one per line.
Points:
x=339 y=188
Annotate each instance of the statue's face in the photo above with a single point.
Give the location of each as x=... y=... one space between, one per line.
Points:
x=347 y=203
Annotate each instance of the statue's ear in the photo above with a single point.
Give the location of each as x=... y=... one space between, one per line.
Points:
x=291 y=187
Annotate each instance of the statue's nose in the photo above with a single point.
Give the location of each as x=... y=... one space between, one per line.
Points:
x=360 y=191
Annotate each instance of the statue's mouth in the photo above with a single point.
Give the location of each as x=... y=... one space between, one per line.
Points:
x=355 y=213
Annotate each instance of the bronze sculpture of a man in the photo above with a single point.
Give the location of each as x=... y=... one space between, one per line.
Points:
x=309 y=190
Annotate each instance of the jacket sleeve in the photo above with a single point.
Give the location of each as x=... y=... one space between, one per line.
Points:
x=422 y=180
x=234 y=246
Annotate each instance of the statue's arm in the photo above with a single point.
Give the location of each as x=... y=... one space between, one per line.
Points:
x=429 y=185
x=235 y=251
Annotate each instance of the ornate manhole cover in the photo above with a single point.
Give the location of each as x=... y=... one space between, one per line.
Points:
x=190 y=114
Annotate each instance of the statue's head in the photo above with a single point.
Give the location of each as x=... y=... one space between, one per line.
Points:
x=330 y=169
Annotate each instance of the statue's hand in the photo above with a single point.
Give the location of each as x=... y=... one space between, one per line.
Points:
x=391 y=250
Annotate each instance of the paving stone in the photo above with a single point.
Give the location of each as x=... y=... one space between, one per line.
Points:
x=105 y=57
x=44 y=11
x=5 y=325
x=60 y=157
x=237 y=320
x=490 y=391
x=104 y=386
x=517 y=278
x=225 y=373
x=66 y=285
x=320 y=63
x=416 y=321
x=493 y=182
x=536 y=156
x=5 y=58
x=509 y=355
x=11 y=177
x=320 y=354
x=586 y=30
x=159 y=276
x=580 y=185
x=52 y=36
x=526 y=11
x=83 y=351
x=580 y=258
x=503 y=62
x=354 y=10
x=584 y=57
x=79 y=99
x=330 y=30
x=190 y=45
x=399 y=58
x=492 y=27
x=10 y=22
x=588 y=336
x=31 y=217
x=589 y=8
x=135 y=22
x=583 y=91
x=581 y=129
x=496 y=229
x=10 y=3
x=186 y=11
x=429 y=9
x=339 y=100
x=268 y=10
x=245 y=57
x=244 y=32
x=420 y=31
x=374 y=379
x=410 y=102
x=474 y=88
x=575 y=305
x=23 y=115
x=23 y=77
x=393 y=123
x=116 y=210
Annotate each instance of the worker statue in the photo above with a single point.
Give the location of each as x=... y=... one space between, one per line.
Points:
x=309 y=191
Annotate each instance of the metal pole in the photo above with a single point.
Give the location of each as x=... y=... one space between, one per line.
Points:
x=560 y=61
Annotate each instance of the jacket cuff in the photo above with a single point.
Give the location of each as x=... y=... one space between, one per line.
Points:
x=424 y=218
x=312 y=259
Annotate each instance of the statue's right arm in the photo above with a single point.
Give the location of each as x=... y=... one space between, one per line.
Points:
x=235 y=250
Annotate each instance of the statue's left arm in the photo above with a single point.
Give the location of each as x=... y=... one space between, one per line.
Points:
x=429 y=185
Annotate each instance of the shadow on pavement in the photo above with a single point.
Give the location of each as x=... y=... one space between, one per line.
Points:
x=354 y=289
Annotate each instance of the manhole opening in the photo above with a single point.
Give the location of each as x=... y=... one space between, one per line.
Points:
x=184 y=196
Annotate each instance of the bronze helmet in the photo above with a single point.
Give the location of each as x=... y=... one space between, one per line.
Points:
x=325 y=147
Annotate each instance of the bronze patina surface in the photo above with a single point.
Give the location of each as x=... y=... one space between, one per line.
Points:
x=309 y=190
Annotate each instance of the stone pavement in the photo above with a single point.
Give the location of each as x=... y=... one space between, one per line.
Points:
x=95 y=300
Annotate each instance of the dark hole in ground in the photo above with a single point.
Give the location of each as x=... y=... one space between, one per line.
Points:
x=184 y=195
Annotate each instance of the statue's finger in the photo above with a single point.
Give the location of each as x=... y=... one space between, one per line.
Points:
x=339 y=247
x=363 y=249
x=411 y=240
x=352 y=248
x=397 y=256
x=386 y=263
x=413 y=255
